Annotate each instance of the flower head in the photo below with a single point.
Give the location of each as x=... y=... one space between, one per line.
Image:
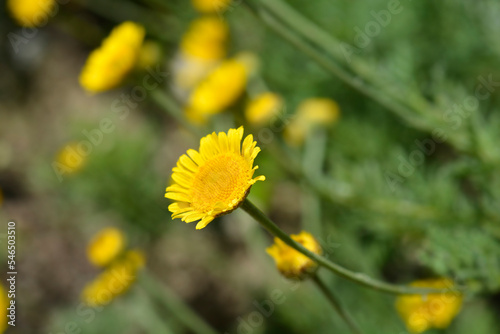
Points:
x=290 y=262
x=311 y=113
x=31 y=13
x=220 y=89
x=215 y=180
x=206 y=39
x=114 y=281
x=211 y=6
x=4 y=303
x=421 y=313
x=105 y=246
x=107 y=66
x=262 y=108
x=149 y=55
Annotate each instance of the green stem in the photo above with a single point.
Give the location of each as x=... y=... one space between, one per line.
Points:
x=336 y=304
x=359 y=278
x=168 y=298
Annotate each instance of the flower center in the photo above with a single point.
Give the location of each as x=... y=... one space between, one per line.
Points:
x=221 y=180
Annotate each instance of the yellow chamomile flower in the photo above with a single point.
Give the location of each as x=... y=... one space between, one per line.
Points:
x=108 y=65
x=421 y=313
x=290 y=262
x=220 y=89
x=69 y=159
x=105 y=246
x=211 y=6
x=311 y=113
x=115 y=280
x=31 y=13
x=215 y=180
x=262 y=108
x=202 y=48
x=4 y=303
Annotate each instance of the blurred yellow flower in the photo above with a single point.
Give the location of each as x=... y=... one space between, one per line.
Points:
x=262 y=108
x=309 y=114
x=206 y=39
x=202 y=48
x=215 y=180
x=421 y=313
x=220 y=89
x=149 y=55
x=4 y=303
x=105 y=246
x=115 y=280
x=69 y=159
x=108 y=65
x=31 y=13
x=211 y=6
x=290 y=262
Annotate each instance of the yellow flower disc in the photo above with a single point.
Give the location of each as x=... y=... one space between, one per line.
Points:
x=105 y=246
x=215 y=180
x=31 y=13
x=211 y=6
x=311 y=113
x=261 y=109
x=107 y=66
x=114 y=281
x=70 y=159
x=421 y=313
x=290 y=262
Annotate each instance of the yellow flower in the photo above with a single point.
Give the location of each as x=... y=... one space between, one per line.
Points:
x=149 y=55
x=206 y=39
x=290 y=262
x=311 y=113
x=114 y=281
x=105 y=246
x=421 y=313
x=69 y=159
x=4 y=303
x=107 y=66
x=261 y=109
x=221 y=88
x=215 y=180
x=31 y=13
x=211 y=6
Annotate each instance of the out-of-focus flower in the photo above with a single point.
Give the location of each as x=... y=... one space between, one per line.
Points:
x=215 y=180
x=105 y=246
x=107 y=66
x=421 y=313
x=221 y=88
x=290 y=262
x=31 y=13
x=69 y=160
x=262 y=108
x=211 y=6
x=4 y=303
x=310 y=114
x=149 y=55
x=115 y=280
x=202 y=47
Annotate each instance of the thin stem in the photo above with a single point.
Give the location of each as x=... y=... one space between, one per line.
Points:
x=336 y=304
x=168 y=298
x=359 y=278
